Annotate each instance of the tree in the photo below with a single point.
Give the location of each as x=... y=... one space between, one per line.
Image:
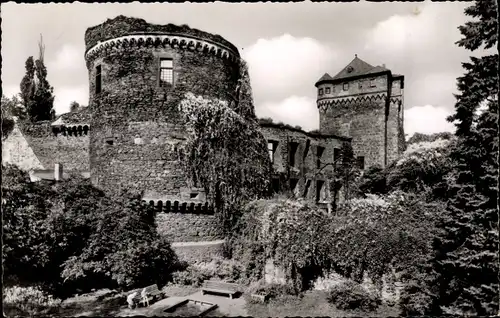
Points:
x=28 y=86
x=74 y=106
x=36 y=92
x=467 y=262
x=11 y=109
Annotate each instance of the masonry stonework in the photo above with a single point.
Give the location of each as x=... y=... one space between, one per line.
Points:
x=132 y=136
x=137 y=130
x=366 y=104
x=311 y=170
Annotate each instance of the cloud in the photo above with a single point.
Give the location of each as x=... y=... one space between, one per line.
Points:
x=68 y=58
x=10 y=90
x=286 y=65
x=294 y=110
x=65 y=95
x=427 y=119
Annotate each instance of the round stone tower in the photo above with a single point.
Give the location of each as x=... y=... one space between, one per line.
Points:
x=139 y=72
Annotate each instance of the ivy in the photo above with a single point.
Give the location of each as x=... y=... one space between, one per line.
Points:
x=226 y=154
x=375 y=236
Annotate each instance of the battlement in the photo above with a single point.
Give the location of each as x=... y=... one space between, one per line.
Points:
x=132 y=32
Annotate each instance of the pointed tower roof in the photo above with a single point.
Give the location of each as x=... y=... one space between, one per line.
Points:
x=356 y=68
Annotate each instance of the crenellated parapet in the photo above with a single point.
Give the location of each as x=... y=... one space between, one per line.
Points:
x=175 y=41
x=132 y=32
x=325 y=103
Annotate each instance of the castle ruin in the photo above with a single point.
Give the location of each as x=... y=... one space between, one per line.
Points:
x=131 y=134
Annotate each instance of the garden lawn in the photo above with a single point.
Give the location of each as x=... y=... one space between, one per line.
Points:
x=313 y=303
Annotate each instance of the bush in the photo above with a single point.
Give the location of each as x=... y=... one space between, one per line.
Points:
x=219 y=269
x=191 y=276
x=69 y=237
x=350 y=295
x=27 y=301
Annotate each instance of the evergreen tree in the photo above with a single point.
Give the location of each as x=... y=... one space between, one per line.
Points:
x=28 y=86
x=36 y=92
x=43 y=98
x=467 y=261
x=11 y=107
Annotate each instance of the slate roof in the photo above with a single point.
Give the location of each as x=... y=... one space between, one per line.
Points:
x=79 y=117
x=357 y=67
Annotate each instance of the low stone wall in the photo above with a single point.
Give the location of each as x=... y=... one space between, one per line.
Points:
x=193 y=252
x=185 y=227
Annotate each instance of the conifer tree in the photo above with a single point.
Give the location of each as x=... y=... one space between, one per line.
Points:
x=36 y=92
x=467 y=262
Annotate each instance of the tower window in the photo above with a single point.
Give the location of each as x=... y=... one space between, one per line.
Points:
x=345 y=86
x=293 y=185
x=271 y=148
x=293 y=151
x=360 y=162
x=276 y=185
x=320 y=91
x=327 y=90
x=98 y=79
x=166 y=72
x=336 y=156
x=320 y=151
x=319 y=190
x=372 y=83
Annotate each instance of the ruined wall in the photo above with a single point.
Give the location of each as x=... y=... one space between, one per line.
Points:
x=305 y=173
x=16 y=151
x=177 y=227
x=137 y=132
x=38 y=146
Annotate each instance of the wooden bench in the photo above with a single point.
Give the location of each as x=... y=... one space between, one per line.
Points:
x=212 y=286
x=152 y=293
x=260 y=297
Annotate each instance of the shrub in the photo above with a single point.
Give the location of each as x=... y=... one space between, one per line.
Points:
x=219 y=269
x=349 y=295
x=69 y=236
x=191 y=276
x=27 y=301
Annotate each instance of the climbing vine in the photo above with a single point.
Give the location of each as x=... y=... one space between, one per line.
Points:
x=370 y=237
x=226 y=154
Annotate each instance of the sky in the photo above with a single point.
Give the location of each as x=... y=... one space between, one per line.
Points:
x=288 y=47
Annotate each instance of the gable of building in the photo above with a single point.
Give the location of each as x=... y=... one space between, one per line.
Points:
x=17 y=150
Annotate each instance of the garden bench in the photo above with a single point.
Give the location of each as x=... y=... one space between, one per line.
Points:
x=211 y=286
x=260 y=297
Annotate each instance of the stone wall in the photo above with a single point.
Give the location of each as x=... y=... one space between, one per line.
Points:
x=37 y=146
x=137 y=130
x=185 y=227
x=302 y=178
x=370 y=112
x=198 y=251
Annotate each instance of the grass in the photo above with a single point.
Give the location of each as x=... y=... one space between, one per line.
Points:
x=103 y=303
x=311 y=304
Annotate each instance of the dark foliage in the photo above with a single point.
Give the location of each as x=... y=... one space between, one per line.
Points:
x=69 y=237
x=227 y=155
x=36 y=92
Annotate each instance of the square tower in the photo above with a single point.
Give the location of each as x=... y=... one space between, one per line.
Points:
x=364 y=102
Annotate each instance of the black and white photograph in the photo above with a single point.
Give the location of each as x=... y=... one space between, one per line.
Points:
x=227 y=159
